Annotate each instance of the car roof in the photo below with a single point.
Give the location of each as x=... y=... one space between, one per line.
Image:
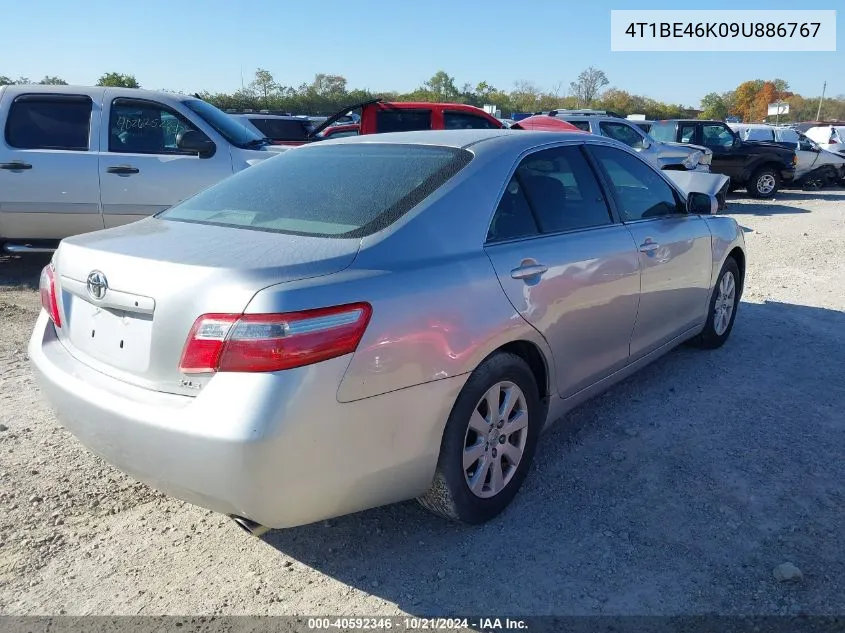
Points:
x=689 y=121
x=140 y=93
x=258 y=115
x=753 y=126
x=545 y=122
x=480 y=140
x=427 y=105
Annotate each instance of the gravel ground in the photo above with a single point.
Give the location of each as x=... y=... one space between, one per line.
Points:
x=677 y=492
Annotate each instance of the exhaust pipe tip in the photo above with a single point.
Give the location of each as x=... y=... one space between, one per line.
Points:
x=248 y=525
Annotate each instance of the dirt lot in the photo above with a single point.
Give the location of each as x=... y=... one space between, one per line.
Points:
x=678 y=492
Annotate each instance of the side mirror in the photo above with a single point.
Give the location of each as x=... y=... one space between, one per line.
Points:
x=702 y=203
x=645 y=144
x=196 y=142
x=737 y=141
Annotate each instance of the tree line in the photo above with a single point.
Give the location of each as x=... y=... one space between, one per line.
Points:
x=327 y=94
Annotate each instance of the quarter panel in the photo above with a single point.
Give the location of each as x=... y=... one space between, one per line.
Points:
x=431 y=320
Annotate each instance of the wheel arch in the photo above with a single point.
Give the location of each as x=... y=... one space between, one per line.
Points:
x=738 y=255
x=763 y=161
x=537 y=361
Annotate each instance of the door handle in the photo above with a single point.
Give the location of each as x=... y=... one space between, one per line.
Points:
x=15 y=166
x=649 y=247
x=123 y=170
x=527 y=271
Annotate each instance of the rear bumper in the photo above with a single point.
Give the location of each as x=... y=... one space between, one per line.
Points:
x=275 y=448
x=787 y=175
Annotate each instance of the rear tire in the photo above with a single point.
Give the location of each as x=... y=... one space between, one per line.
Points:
x=726 y=295
x=487 y=450
x=764 y=183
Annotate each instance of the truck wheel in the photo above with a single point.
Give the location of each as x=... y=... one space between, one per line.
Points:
x=764 y=183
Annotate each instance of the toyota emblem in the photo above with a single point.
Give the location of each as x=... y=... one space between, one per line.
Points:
x=97 y=285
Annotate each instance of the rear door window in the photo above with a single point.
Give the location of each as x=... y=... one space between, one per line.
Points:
x=716 y=135
x=513 y=218
x=466 y=121
x=621 y=132
x=663 y=132
x=402 y=120
x=557 y=186
x=49 y=122
x=687 y=132
x=581 y=125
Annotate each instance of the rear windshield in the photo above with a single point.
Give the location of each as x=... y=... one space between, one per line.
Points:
x=345 y=191
x=283 y=129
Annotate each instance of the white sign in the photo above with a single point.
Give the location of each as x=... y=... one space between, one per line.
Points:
x=778 y=108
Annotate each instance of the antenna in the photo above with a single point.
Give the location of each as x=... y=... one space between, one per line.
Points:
x=819 y=111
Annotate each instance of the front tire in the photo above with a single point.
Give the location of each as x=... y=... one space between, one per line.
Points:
x=764 y=183
x=488 y=443
x=723 y=306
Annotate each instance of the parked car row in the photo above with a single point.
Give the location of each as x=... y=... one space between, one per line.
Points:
x=74 y=159
x=758 y=166
x=816 y=168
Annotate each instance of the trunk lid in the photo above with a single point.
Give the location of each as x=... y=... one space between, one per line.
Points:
x=157 y=276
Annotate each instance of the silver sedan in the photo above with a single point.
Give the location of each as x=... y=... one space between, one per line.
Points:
x=373 y=319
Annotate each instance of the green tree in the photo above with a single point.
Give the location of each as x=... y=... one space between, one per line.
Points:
x=713 y=106
x=525 y=96
x=587 y=87
x=8 y=81
x=118 y=80
x=264 y=85
x=329 y=85
x=52 y=81
x=442 y=86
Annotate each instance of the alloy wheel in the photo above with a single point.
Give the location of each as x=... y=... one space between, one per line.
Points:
x=495 y=439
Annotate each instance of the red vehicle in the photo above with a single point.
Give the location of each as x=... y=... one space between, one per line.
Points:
x=338 y=131
x=546 y=123
x=380 y=116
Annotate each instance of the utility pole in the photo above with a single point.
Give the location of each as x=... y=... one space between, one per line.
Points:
x=819 y=111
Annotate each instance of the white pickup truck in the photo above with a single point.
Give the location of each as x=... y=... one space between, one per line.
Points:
x=79 y=159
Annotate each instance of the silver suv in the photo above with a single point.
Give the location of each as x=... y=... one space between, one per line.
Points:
x=661 y=154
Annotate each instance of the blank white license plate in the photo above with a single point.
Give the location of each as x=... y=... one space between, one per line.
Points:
x=116 y=337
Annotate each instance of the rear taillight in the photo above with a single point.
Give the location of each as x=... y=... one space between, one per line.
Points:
x=273 y=342
x=47 y=288
x=832 y=141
